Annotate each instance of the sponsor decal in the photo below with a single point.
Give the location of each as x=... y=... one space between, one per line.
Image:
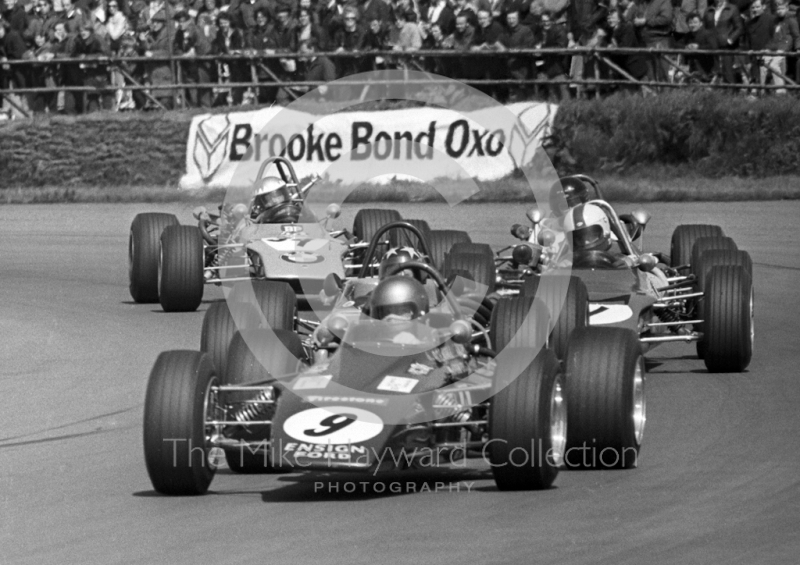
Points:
x=353 y=399
x=419 y=369
x=291 y=228
x=397 y=384
x=325 y=452
x=333 y=425
x=302 y=257
x=600 y=314
x=211 y=144
x=316 y=381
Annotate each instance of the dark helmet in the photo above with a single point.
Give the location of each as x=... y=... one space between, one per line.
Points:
x=273 y=194
x=590 y=228
x=569 y=192
x=399 y=255
x=401 y=297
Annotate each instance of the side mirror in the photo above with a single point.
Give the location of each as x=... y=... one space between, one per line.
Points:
x=547 y=238
x=333 y=211
x=521 y=232
x=337 y=325
x=534 y=215
x=647 y=262
x=200 y=213
x=527 y=254
x=460 y=331
x=332 y=284
x=641 y=216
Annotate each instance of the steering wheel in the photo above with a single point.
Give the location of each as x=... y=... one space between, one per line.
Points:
x=289 y=210
x=594 y=259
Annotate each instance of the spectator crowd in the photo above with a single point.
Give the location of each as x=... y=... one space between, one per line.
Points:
x=88 y=32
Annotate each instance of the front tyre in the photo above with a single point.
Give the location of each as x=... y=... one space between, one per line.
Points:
x=605 y=398
x=181 y=280
x=728 y=323
x=527 y=422
x=178 y=403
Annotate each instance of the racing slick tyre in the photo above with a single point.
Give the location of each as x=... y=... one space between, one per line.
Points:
x=143 y=248
x=572 y=309
x=180 y=269
x=469 y=247
x=257 y=356
x=683 y=239
x=220 y=323
x=370 y=220
x=441 y=241
x=704 y=244
x=406 y=238
x=519 y=321
x=475 y=267
x=527 y=421
x=178 y=402
x=276 y=300
x=728 y=305
x=709 y=260
x=605 y=376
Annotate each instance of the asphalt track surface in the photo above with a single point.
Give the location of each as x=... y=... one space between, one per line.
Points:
x=717 y=481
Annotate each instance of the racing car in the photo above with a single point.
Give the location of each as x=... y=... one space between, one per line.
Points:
x=272 y=235
x=401 y=371
x=702 y=292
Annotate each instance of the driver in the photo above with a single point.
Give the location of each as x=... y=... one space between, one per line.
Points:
x=398 y=300
x=591 y=238
x=272 y=203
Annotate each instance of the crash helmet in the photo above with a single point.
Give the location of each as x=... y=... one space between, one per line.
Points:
x=589 y=227
x=567 y=193
x=398 y=298
x=270 y=193
x=399 y=255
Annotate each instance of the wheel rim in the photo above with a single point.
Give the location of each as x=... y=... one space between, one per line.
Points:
x=639 y=403
x=558 y=421
x=211 y=433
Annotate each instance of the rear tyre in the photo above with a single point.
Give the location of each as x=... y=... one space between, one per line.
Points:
x=180 y=276
x=479 y=248
x=704 y=244
x=605 y=398
x=406 y=237
x=178 y=402
x=276 y=300
x=519 y=322
x=220 y=323
x=257 y=356
x=683 y=239
x=527 y=422
x=369 y=220
x=475 y=267
x=709 y=260
x=729 y=333
x=441 y=241
x=144 y=244
x=572 y=307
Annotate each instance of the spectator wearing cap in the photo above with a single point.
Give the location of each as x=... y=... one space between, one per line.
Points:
x=191 y=42
x=158 y=43
x=93 y=70
x=518 y=36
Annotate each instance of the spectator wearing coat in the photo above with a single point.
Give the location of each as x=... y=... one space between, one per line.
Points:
x=701 y=66
x=680 y=15
x=73 y=17
x=653 y=19
x=93 y=71
x=624 y=36
x=190 y=41
x=724 y=18
x=158 y=43
x=518 y=36
x=759 y=34
x=43 y=20
x=15 y=14
x=440 y=13
x=787 y=38
x=230 y=41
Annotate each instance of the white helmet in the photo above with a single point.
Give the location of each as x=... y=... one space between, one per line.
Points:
x=271 y=193
x=590 y=228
